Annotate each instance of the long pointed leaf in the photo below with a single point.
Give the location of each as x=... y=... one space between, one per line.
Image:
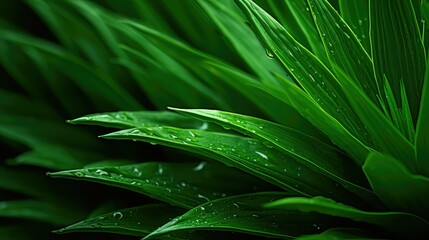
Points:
x=307 y=70
x=309 y=151
x=182 y=184
x=396 y=186
x=244 y=213
x=397 y=48
x=247 y=154
x=390 y=221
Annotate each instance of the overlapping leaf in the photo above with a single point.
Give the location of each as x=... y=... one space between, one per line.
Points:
x=390 y=221
x=182 y=184
x=247 y=154
x=244 y=213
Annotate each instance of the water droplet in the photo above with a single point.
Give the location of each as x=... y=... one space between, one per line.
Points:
x=117 y=215
x=269 y=53
x=136 y=131
x=173 y=136
x=203 y=197
x=347 y=35
x=255 y=215
x=96 y=225
x=200 y=166
x=160 y=169
x=262 y=155
x=168 y=190
x=203 y=208
x=79 y=174
x=236 y=205
x=101 y=172
x=203 y=127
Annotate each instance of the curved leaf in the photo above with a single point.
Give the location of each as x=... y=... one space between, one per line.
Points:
x=396 y=186
x=182 y=184
x=309 y=151
x=136 y=221
x=311 y=74
x=390 y=221
x=387 y=138
x=244 y=213
x=340 y=233
x=422 y=130
x=356 y=14
x=34 y=210
x=343 y=48
x=397 y=48
x=247 y=154
x=139 y=119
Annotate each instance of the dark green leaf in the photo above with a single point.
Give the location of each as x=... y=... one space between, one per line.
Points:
x=33 y=210
x=390 y=221
x=399 y=189
x=140 y=119
x=247 y=154
x=309 y=151
x=422 y=131
x=311 y=74
x=340 y=233
x=356 y=14
x=397 y=48
x=343 y=48
x=182 y=184
x=244 y=213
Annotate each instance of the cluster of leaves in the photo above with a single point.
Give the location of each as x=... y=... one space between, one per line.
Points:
x=318 y=134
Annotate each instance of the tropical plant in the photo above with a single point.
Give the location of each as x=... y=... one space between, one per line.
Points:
x=297 y=119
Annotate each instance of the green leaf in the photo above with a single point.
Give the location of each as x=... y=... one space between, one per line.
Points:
x=247 y=154
x=92 y=80
x=243 y=39
x=140 y=119
x=216 y=70
x=340 y=233
x=307 y=107
x=55 y=157
x=181 y=184
x=309 y=151
x=34 y=132
x=311 y=74
x=391 y=221
x=396 y=186
x=387 y=138
x=136 y=221
x=356 y=14
x=244 y=213
x=343 y=48
x=397 y=48
x=33 y=210
x=304 y=30
x=16 y=104
x=422 y=130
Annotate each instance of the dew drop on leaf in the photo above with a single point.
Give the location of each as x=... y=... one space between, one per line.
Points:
x=117 y=215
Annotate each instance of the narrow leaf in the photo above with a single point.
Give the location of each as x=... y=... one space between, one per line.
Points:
x=311 y=74
x=396 y=186
x=244 y=213
x=422 y=131
x=309 y=151
x=181 y=184
x=139 y=119
x=343 y=48
x=387 y=138
x=390 y=221
x=247 y=154
x=397 y=48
